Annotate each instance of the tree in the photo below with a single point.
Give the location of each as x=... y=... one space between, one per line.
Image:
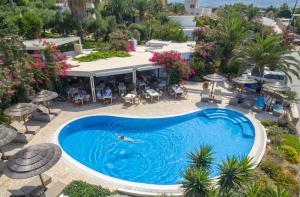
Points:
x=202 y=158
x=230 y=32
x=234 y=174
x=29 y=24
x=197 y=182
x=64 y=23
x=117 y=8
x=265 y=52
x=141 y=6
x=78 y=10
x=284 y=11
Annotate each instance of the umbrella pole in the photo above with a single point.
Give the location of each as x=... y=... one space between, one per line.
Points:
x=2 y=153
x=25 y=123
x=42 y=181
x=47 y=105
x=212 y=90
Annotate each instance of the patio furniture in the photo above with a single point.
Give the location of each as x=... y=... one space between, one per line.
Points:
x=234 y=101
x=21 y=110
x=44 y=97
x=214 y=78
x=7 y=135
x=43 y=109
x=42 y=117
x=32 y=161
x=177 y=90
x=20 y=127
x=34 y=184
x=23 y=138
x=275 y=87
x=242 y=81
x=247 y=104
x=128 y=98
x=152 y=93
x=205 y=95
x=218 y=96
x=87 y=98
x=137 y=100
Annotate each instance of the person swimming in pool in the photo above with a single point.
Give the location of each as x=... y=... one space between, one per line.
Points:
x=128 y=139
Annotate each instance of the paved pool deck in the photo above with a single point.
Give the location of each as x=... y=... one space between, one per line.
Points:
x=65 y=172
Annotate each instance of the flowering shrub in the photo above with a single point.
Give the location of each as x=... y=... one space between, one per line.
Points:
x=47 y=65
x=21 y=73
x=200 y=33
x=177 y=67
x=119 y=41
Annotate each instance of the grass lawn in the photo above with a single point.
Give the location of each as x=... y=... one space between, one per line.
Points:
x=293 y=141
x=101 y=55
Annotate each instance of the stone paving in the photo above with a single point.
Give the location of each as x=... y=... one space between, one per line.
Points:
x=65 y=172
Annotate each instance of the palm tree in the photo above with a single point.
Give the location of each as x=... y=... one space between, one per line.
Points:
x=234 y=174
x=197 y=182
x=78 y=10
x=202 y=158
x=118 y=8
x=252 y=190
x=141 y=6
x=267 y=52
x=229 y=34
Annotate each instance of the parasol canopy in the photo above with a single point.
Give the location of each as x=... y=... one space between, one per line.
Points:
x=20 y=109
x=32 y=161
x=43 y=96
x=7 y=135
x=215 y=77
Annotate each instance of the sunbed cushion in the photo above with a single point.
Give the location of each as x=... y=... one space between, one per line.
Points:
x=42 y=116
x=35 y=182
x=23 y=138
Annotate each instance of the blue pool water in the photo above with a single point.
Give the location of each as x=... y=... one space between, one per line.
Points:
x=161 y=157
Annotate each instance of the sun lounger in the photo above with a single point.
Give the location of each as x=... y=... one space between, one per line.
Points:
x=205 y=95
x=38 y=116
x=278 y=110
x=218 y=96
x=21 y=128
x=23 y=138
x=55 y=190
x=52 y=110
x=259 y=104
x=31 y=186
x=234 y=101
x=248 y=104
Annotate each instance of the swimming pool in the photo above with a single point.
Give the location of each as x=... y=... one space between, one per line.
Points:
x=161 y=157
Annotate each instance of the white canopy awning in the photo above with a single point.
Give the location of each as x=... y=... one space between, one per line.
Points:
x=36 y=44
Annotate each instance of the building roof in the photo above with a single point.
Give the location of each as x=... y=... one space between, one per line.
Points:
x=36 y=44
x=138 y=60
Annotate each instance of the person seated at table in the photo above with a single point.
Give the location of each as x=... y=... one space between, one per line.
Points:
x=99 y=95
x=108 y=92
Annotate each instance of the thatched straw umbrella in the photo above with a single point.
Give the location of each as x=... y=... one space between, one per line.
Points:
x=242 y=80
x=44 y=96
x=32 y=161
x=275 y=87
x=7 y=135
x=215 y=77
x=21 y=110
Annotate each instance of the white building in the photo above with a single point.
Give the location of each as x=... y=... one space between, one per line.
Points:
x=193 y=7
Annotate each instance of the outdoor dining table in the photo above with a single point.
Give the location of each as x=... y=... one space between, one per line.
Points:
x=80 y=98
x=152 y=93
x=130 y=97
x=108 y=97
x=177 y=90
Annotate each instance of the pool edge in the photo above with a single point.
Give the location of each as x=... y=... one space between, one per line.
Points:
x=141 y=189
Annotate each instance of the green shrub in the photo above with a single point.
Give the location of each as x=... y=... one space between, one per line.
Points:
x=83 y=189
x=272 y=169
x=275 y=134
x=293 y=141
x=3 y=117
x=267 y=123
x=101 y=55
x=290 y=154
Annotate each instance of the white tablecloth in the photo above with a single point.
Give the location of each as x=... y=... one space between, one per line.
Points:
x=152 y=92
x=177 y=89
